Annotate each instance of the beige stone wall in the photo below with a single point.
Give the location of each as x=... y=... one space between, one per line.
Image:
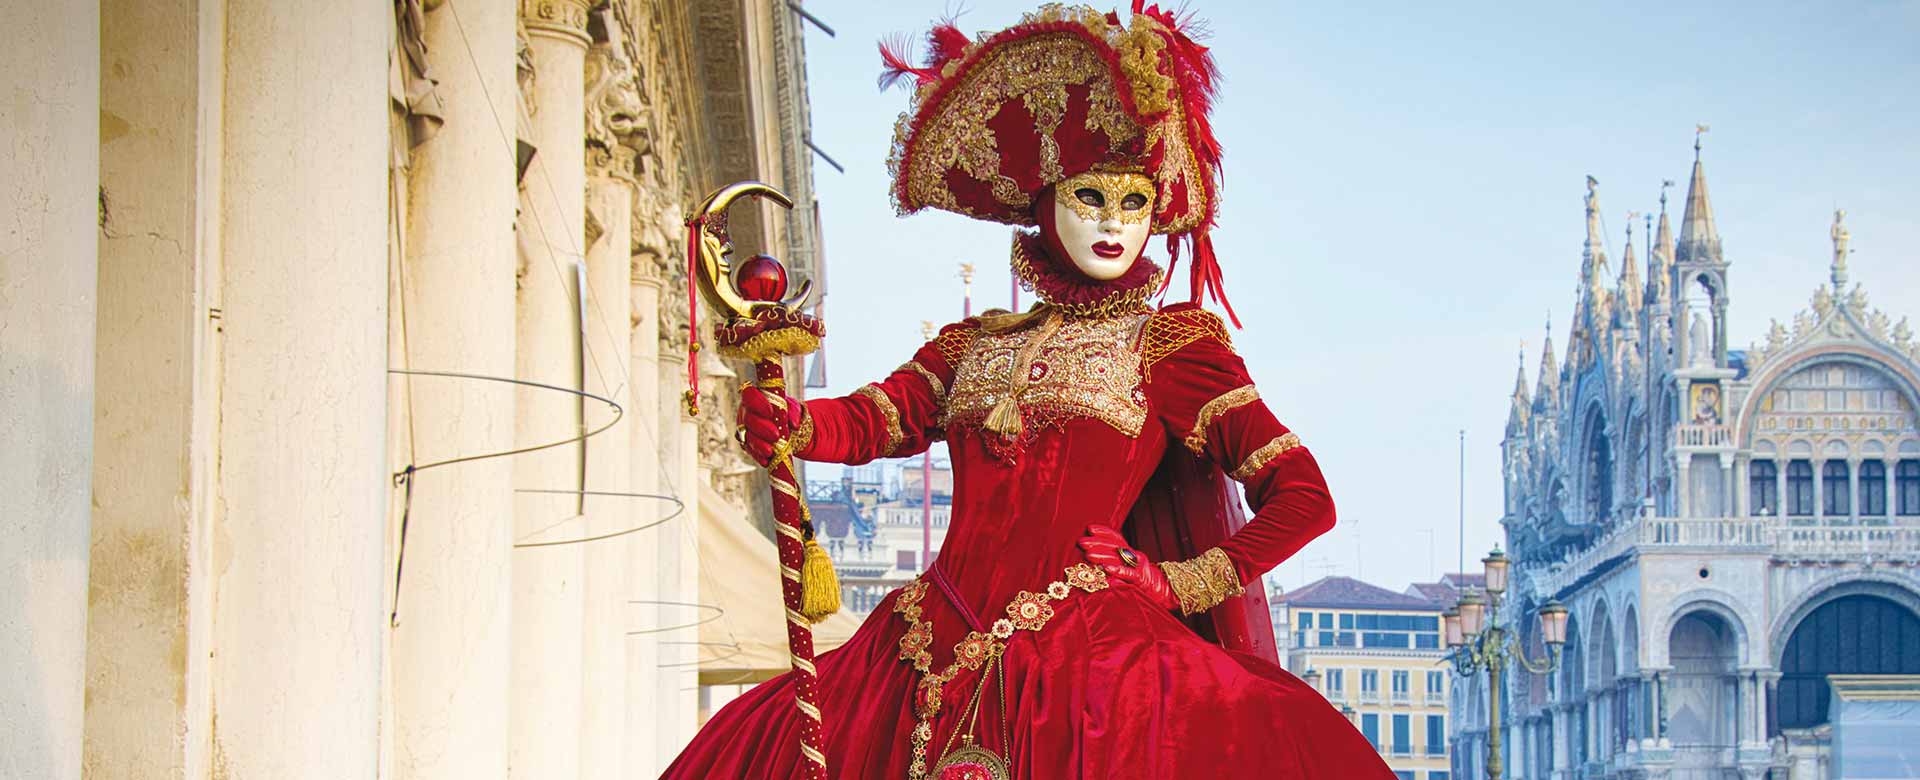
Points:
x=286 y=208
x=49 y=113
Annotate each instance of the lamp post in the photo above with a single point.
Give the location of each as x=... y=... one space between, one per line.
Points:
x=1480 y=643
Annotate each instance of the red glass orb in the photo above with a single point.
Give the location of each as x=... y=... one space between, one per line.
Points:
x=761 y=278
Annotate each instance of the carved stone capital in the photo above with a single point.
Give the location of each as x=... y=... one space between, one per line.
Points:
x=557 y=18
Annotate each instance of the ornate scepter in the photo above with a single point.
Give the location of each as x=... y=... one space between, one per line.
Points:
x=765 y=325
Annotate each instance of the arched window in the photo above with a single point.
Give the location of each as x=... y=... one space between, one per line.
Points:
x=1835 y=489
x=1858 y=634
x=1599 y=472
x=1763 y=487
x=1800 y=488
x=1907 y=478
x=1873 y=488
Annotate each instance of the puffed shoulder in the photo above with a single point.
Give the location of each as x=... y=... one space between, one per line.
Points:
x=1178 y=326
x=954 y=340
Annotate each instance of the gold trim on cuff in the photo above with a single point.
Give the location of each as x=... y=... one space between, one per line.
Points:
x=1225 y=402
x=802 y=435
x=887 y=410
x=1203 y=583
x=1261 y=457
x=939 y=388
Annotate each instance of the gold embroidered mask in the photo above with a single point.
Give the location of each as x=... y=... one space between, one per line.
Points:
x=1097 y=197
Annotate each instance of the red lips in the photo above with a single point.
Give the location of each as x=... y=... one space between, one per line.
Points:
x=1109 y=250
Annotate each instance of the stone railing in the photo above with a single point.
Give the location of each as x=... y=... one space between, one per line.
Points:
x=1731 y=534
x=1748 y=532
x=1703 y=436
x=1847 y=541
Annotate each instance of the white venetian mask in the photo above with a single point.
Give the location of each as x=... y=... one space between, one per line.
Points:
x=1103 y=220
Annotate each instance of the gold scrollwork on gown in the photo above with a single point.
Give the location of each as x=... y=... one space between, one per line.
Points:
x=1280 y=445
x=887 y=411
x=1086 y=368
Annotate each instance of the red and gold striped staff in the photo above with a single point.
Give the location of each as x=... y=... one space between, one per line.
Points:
x=765 y=325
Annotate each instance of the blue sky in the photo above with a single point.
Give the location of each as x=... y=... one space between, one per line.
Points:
x=1403 y=208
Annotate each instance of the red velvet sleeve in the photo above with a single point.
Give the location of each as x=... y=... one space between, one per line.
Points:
x=896 y=416
x=1202 y=392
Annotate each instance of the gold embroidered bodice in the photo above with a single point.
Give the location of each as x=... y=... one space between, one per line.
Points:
x=1056 y=369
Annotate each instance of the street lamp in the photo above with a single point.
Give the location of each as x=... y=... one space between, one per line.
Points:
x=1480 y=643
x=1312 y=679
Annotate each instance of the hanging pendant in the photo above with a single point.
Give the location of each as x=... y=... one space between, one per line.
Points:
x=971 y=762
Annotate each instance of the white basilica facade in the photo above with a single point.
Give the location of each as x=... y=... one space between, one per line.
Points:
x=1728 y=527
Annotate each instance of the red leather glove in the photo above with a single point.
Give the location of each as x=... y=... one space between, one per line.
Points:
x=763 y=423
x=1103 y=546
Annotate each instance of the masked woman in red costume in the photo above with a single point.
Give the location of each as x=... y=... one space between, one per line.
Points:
x=1096 y=609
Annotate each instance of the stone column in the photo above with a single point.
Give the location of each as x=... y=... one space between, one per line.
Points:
x=603 y=733
x=1560 y=712
x=298 y=621
x=1683 y=483
x=452 y=638
x=644 y=691
x=48 y=265
x=548 y=600
x=1819 y=491
x=147 y=702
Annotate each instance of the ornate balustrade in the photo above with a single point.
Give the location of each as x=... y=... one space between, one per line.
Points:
x=1703 y=436
x=1774 y=535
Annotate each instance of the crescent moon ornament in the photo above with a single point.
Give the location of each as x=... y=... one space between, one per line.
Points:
x=714 y=267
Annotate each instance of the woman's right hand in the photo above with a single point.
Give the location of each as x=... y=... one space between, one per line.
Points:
x=764 y=418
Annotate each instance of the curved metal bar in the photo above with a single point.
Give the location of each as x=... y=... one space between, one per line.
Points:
x=718 y=613
x=733 y=649
x=678 y=507
x=617 y=414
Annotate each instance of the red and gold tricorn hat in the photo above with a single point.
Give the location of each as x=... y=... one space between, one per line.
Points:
x=1069 y=89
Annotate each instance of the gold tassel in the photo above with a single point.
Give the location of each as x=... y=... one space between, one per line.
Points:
x=1005 y=417
x=819 y=585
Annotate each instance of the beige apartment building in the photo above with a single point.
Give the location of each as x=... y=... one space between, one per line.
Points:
x=1379 y=656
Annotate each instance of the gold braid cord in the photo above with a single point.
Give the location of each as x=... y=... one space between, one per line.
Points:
x=888 y=411
x=1203 y=583
x=1280 y=445
x=1225 y=402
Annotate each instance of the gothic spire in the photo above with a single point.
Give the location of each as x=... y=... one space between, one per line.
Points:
x=1660 y=257
x=1593 y=265
x=1629 y=284
x=1699 y=241
x=1546 y=388
x=1517 y=413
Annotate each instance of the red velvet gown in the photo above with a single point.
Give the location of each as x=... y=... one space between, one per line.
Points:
x=1100 y=683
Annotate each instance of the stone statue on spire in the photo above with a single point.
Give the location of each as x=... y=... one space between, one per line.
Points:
x=1840 y=240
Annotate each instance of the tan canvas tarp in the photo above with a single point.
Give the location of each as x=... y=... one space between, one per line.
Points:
x=740 y=573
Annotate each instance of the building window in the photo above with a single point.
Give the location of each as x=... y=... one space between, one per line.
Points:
x=1369 y=685
x=1437 y=774
x=1402 y=735
x=1800 y=488
x=907 y=559
x=1435 y=685
x=1436 y=735
x=1402 y=686
x=1907 y=478
x=1346 y=620
x=1325 y=639
x=1763 y=487
x=1835 y=489
x=1306 y=620
x=1345 y=639
x=1370 y=728
x=1402 y=774
x=1873 y=488
x=1336 y=684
